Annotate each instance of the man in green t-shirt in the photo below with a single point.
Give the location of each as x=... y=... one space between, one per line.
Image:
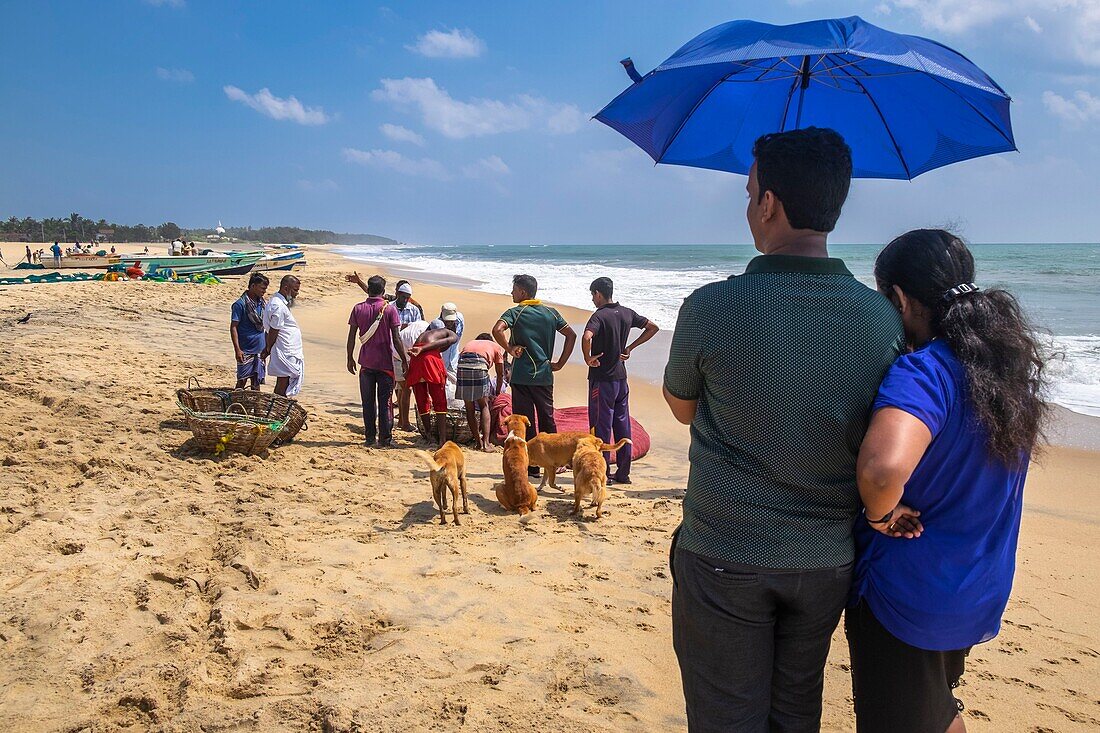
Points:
x=531 y=344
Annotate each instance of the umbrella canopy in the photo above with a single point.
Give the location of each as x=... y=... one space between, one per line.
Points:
x=905 y=104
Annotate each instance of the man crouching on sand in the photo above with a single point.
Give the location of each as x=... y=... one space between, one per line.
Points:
x=284 y=340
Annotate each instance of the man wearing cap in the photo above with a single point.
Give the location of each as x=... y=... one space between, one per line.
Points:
x=407 y=309
x=454 y=321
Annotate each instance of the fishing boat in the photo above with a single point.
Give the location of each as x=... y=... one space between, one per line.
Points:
x=285 y=261
x=216 y=264
x=81 y=262
x=280 y=266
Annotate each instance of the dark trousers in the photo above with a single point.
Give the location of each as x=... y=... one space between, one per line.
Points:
x=533 y=401
x=609 y=413
x=376 y=393
x=752 y=642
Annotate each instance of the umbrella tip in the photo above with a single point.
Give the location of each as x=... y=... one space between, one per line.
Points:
x=628 y=64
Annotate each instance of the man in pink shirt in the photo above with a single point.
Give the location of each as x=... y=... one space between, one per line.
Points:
x=474 y=388
x=376 y=326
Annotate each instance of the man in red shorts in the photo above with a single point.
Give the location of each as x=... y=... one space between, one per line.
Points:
x=427 y=376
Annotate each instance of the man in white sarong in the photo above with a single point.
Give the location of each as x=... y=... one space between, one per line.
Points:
x=284 y=340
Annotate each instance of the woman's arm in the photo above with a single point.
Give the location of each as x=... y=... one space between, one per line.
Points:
x=894 y=444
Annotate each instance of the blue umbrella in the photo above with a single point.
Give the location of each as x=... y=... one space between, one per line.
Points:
x=905 y=104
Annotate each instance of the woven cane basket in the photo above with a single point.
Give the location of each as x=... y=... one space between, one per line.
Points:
x=458 y=429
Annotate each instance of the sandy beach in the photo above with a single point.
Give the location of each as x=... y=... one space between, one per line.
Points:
x=150 y=587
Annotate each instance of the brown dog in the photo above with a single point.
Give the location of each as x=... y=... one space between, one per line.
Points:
x=448 y=472
x=516 y=493
x=550 y=451
x=590 y=472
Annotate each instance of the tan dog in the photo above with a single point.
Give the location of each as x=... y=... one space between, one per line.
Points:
x=590 y=472
x=551 y=451
x=448 y=472
x=516 y=493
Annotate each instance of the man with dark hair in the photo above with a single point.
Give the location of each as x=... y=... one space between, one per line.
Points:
x=376 y=326
x=605 y=349
x=284 y=339
x=531 y=344
x=246 y=331
x=776 y=371
x=409 y=313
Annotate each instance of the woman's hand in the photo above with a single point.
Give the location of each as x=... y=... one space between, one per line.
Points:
x=903 y=522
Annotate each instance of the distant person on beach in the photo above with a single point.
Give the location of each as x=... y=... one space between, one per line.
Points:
x=56 y=250
x=475 y=385
x=428 y=378
x=531 y=344
x=605 y=349
x=454 y=320
x=30 y=256
x=410 y=332
x=775 y=370
x=376 y=326
x=407 y=309
x=954 y=425
x=284 y=339
x=408 y=312
x=246 y=331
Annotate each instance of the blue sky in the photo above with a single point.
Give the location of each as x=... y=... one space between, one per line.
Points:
x=468 y=122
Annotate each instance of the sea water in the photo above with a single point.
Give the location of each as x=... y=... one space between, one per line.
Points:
x=1057 y=284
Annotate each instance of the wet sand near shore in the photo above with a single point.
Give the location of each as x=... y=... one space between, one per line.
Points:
x=148 y=587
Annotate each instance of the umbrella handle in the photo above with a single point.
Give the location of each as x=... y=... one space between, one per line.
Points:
x=628 y=64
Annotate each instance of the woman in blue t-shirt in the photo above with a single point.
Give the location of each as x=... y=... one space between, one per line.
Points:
x=941 y=474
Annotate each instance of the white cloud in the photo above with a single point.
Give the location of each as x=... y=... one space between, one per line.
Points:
x=458 y=119
x=616 y=161
x=1073 y=25
x=183 y=76
x=453 y=44
x=490 y=167
x=401 y=134
x=883 y=9
x=565 y=120
x=277 y=108
x=395 y=161
x=957 y=16
x=1081 y=109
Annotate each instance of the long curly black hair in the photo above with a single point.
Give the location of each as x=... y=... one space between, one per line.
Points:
x=987 y=331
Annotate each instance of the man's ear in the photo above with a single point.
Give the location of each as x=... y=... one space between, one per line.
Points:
x=769 y=206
